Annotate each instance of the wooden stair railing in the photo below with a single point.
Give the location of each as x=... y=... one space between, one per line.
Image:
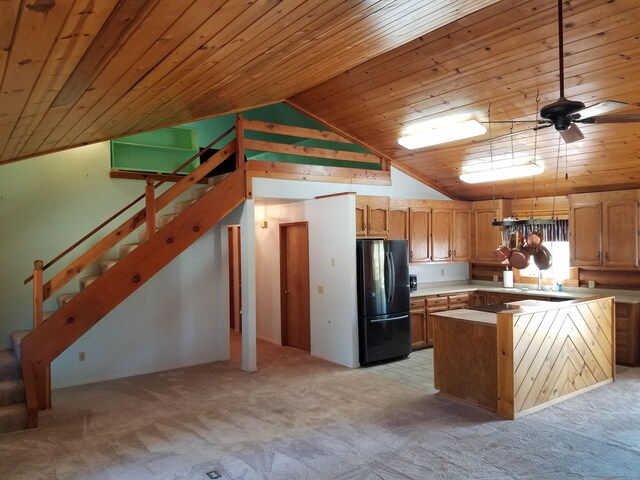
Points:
x=75 y=318
x=37 y=386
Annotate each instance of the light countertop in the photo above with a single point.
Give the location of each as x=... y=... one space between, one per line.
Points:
x=426 y=289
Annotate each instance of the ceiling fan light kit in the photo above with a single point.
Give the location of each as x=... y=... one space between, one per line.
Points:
x=437 y=134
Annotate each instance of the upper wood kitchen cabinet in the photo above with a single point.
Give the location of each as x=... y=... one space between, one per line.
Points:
x=461 y=236
x=450 y=235
x=372 y=216
x=398 y=220
x=485 y=237
x=419 y=234
x=441 y=234
x=604 y=229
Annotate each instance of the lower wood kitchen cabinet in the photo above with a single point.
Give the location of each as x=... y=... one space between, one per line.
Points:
x=421 y=310
x=418 y=316
x=628 y=334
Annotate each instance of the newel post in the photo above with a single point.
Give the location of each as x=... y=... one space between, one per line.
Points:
x=43 y=374
x=150 y=207
x=37 y=293
x=239 y=141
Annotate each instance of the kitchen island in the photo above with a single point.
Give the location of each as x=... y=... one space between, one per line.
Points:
x=528 y=355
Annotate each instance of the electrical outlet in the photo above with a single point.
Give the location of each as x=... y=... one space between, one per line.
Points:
x=592 y=284
x=442 y=272
x=333 y=262
x=82 y=356
x=495 y=278
x=320 y=289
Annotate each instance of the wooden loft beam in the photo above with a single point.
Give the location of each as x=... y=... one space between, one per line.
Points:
x=386 y=160
x=313 y=173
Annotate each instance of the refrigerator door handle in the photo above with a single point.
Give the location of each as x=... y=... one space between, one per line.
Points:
x=401 y=317
x=393 y=278
x=388 y=283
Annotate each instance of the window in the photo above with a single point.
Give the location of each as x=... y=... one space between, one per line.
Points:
x=556 y=238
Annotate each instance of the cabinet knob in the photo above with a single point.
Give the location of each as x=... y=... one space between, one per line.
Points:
x=411 y=254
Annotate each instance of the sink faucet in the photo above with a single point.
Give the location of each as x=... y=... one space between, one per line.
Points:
x=540 y=280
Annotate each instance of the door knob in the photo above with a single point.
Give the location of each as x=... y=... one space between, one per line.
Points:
x=287 y=291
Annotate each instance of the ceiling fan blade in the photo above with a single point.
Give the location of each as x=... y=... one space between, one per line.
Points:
x=572 y=134
x=624 y=118
x=511 y=134
x=598 y=109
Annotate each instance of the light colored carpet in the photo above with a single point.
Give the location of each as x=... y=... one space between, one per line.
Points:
x=299 y=417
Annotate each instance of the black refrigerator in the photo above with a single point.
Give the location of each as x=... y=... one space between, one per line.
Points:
x=384 y=323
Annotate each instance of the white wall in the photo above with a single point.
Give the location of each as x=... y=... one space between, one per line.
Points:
x=180 y=317
x=334 y=328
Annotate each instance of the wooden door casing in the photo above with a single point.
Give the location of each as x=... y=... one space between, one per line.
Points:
x=294 y=286
x=235 y=278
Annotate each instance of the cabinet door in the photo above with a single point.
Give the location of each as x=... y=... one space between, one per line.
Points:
x=585 y=240
x=461 y=240
x=478 y=299
x=627 y=334
x=441 y=226
x=486 y=236
x=361 y=220
x=418 y=328
x=419 y=222
x=378 y=222
x=620 y=233
x=399 y=224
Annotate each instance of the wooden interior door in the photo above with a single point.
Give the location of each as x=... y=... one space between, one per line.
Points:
x=294 y=285
x=235 y=278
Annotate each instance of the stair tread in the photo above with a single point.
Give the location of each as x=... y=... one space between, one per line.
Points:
x=9 y=365
x=13 y=417
x=18 y=336
x=11 y=392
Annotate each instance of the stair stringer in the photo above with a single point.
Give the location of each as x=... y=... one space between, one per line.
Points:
x=76 y=317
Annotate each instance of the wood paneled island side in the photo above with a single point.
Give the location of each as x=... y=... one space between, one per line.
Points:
x=519 y=361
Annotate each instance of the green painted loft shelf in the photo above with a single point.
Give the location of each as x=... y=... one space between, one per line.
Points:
x=158 y=151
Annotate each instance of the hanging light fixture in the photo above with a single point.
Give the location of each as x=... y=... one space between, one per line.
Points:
x=442 y=130
x=502 y=170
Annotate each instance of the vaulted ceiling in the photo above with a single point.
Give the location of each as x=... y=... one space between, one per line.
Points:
x=77 y=72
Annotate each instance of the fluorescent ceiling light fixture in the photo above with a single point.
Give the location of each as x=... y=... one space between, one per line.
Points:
x=502 y=170
x=434 y=133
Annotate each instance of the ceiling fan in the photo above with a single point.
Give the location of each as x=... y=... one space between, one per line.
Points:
x=565 y=115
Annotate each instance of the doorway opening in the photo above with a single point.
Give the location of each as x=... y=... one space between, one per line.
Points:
x=294 y=286
x=235 y=278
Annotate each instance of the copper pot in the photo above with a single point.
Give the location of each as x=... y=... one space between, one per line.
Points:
x=534 y=239
x=501 y=253
x=542 y=258
x=519 y=258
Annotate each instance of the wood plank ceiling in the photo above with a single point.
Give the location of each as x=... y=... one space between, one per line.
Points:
x=76 y=72
x=501 y=56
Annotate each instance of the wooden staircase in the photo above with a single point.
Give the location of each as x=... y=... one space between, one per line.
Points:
x=161 y=241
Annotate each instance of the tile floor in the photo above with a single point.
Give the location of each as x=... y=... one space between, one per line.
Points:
x=415 y=371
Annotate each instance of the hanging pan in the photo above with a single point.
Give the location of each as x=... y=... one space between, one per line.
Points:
x=542 y=258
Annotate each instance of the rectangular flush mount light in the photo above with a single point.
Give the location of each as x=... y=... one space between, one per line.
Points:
x=430 y=133
x=500 y=171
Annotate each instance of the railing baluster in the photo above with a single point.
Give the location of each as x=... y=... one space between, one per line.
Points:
x=150 y=205
x=239 y=141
